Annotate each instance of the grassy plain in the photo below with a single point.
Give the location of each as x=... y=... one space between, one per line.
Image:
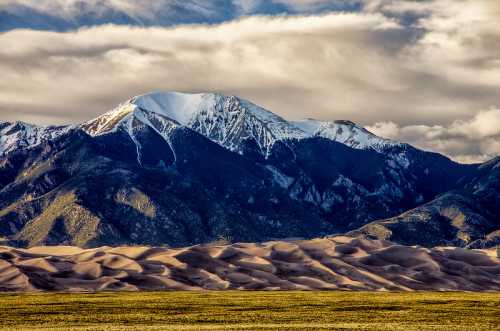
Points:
x=250 y=311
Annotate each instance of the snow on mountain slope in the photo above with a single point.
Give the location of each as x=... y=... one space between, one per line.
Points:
x=132 y=119
x=345 y=132
x=161 y=112
x=179 y=107
x=109 y=121
x=20 y=135
x=230 y=121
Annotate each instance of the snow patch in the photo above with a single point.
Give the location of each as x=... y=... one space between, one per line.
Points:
x=281 y=179
x=20 y=135
x=345 y=132
x=179 y=107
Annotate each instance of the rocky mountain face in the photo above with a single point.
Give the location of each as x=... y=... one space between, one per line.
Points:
x=180 y=169
x=468 y=216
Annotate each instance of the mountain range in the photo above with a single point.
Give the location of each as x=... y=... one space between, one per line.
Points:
x=176 y=169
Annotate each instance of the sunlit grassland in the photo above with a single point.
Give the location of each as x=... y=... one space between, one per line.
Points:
x=250 y=311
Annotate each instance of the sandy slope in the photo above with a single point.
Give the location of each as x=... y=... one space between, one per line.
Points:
x=334 y=263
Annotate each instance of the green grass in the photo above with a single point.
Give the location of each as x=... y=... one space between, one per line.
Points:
x=250 y=311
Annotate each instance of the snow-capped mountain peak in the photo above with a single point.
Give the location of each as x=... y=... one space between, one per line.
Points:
x=226 y=120
x=176 y=107
x=230 y=121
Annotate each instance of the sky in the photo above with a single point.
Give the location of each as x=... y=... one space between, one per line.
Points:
x=424 y=72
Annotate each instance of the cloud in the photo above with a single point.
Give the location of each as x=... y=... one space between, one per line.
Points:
x=474 y=140
x=397 y=7
x=293 y=65
x=63 y=15
x=462 y=41
x=432 y=72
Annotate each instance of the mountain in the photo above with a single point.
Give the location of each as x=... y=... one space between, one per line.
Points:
x=180 y=169
x=303 y=156
x=468 y=216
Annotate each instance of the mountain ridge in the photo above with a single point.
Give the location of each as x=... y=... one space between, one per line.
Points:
x=180 y=169
x=195 y=110
x=467 y=216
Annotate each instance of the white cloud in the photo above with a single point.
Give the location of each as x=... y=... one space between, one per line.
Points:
x=474 y=140
x=315 y=65
x=462 y=42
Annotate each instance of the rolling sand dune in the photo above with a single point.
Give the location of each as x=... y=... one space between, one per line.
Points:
x=320 y=264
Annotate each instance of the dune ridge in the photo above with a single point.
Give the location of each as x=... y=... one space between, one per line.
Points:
x=336 y=263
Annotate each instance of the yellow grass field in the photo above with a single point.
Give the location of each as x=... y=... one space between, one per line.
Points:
x=234 y=310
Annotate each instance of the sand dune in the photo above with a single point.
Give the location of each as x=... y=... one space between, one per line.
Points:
x=321 y=264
